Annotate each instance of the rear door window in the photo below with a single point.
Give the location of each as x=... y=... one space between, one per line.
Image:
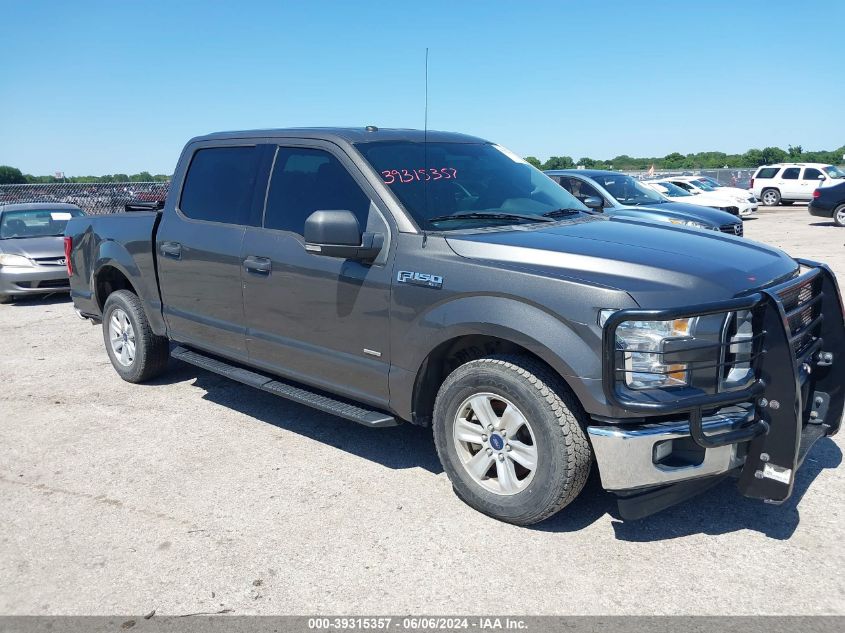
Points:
x=767 y=172
x=219 y=184
x=791 y=173
x=305 y=180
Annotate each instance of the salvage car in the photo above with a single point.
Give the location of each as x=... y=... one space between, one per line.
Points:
x=438 y=279
x=620 y=195
x=829 y=202
x=32 y=257
x=744 y=202
x=675 y=193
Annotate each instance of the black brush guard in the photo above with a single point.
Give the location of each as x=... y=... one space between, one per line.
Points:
x=798 y=392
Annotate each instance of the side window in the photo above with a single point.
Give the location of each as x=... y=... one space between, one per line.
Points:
x=791 y=173
x=767 y=172
x=579 y=188
x=683 y=185
x=307 y=180
x=219 y=184
x=810 y=173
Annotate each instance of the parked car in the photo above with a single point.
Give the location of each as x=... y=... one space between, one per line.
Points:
x=829 y=202
x=32 y=257
x=785 y=183
x=675 y=193
x=617 y=194
x=735 y=190
x=439 y=279
x=744 y=201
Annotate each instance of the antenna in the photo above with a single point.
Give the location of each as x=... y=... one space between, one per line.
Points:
x=425 y=145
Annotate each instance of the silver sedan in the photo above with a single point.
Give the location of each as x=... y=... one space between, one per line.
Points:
x=32 y=256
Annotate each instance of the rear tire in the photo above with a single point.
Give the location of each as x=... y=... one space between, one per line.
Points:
x=496 y=417
x=839 y=215
x=770 y=197
x=136 y=353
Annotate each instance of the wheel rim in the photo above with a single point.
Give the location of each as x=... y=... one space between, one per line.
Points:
x=122 y=337
x=840 y=215
x=770 y=198
x=495 y=444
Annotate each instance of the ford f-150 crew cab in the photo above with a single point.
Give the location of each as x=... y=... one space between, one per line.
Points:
x=438 y=279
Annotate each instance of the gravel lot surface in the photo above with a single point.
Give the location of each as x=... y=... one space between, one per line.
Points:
x=196 y=494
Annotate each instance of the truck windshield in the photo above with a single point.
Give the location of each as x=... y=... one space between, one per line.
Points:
x=35 y=223
x=449 y=186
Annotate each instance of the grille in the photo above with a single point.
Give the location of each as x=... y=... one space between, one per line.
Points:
x=802 y=304
x=732 y=229
x=54 y=283
x=50 y=261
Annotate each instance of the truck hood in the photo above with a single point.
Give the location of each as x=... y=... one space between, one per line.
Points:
x=659 y=267
x=683 y=211
x=34 y=247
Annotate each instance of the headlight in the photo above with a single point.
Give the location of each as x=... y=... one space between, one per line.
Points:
x=641 y=344
x=692 y=223
x=15 y=261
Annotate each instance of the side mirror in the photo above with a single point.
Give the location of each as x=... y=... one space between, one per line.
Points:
x=337 y=234
x=821 y=176
x=594 y=202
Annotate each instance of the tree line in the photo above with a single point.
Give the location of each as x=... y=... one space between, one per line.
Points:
x=701 y=160
x=14 y=176
x=675 y=160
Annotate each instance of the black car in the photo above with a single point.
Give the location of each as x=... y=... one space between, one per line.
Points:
x=829 y=202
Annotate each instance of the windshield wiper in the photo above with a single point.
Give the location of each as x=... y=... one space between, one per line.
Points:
x=561 y=212
x=480 y=215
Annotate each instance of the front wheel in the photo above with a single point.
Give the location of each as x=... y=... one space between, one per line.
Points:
x=510 y=436
x=770 y=197
x=839 y=215
x=136 y=353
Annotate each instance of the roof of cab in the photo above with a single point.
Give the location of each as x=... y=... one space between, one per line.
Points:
x=347 y=134
x=37 y=206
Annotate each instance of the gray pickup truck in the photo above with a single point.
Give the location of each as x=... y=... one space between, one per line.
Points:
x=392 y=276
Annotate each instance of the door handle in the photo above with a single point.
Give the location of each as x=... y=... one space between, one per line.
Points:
x=171 y=249
x=258 y=265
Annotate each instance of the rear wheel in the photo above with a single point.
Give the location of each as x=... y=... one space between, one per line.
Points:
x=839 y=215
x=510 y=436
x=770 y=197
x=136 y=353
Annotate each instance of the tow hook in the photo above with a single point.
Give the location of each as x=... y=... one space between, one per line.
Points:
x=824 y=359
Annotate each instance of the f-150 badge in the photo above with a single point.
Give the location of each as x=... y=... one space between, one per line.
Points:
x=419 y=279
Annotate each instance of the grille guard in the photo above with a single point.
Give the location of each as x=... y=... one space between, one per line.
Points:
x=797 y=397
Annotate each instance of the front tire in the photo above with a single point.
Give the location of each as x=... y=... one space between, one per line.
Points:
x=510 y=435
x=136 y=353
x=770 y=197
x=839 y=215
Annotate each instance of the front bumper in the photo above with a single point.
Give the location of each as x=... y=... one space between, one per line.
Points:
x=763 y=431
x=35 y=280
x=747 y=208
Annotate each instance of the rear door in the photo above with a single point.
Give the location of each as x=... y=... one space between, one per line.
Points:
x=790 y=183
x=198 y=245
x=811 y=179
x=316 y=319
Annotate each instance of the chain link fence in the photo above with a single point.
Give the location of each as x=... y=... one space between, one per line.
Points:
x=729 y=177
x=93 y=198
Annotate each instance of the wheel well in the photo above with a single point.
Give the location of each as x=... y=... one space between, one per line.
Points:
x=447 y=357
x=107 y=281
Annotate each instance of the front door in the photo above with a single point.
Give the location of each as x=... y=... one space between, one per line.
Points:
x=316 y=319
x=198 y=246
x=811 y=179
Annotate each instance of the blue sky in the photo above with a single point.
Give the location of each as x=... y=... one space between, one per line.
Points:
x=118 y=87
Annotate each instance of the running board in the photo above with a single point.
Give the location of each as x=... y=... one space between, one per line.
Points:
x=300 y=394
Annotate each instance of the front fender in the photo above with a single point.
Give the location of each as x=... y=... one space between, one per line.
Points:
x=572 y=349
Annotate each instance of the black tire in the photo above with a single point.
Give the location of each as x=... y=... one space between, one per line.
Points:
x=151 y=351
x=838 y=215
x=770 y=197
x=787 y=203
x=557 y=422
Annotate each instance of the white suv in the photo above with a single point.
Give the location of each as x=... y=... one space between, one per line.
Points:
x=786 y=183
